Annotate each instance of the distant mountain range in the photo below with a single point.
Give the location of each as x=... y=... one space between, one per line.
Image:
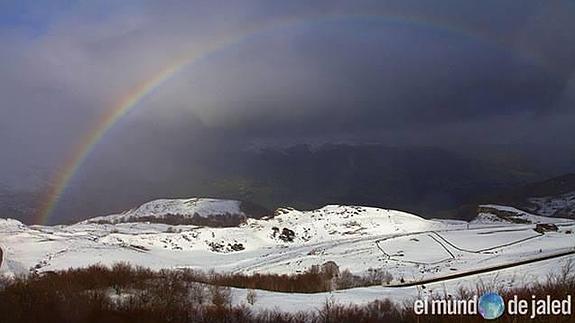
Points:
x=426 y=181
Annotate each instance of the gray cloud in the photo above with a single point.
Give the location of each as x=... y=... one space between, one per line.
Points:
x=459 y=75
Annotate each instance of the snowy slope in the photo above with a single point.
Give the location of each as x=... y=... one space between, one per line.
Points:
x=296 y=302
x=338 y=221
x=492 y=213
x=357 y=238
x=286 y=238
x=553 y=206
x=10 y=225
x=183 y=209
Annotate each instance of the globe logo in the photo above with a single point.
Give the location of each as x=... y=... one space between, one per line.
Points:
x=491 y=306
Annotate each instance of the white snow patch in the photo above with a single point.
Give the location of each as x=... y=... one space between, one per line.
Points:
x=202 y=207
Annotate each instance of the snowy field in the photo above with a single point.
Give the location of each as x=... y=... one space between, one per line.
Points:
x=414 y=250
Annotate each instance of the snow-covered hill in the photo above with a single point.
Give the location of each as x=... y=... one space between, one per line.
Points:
x=554 y=197
x=359 y=239
x=492 y=213
x=199 y=211
x=124 y=237
x=562 y=205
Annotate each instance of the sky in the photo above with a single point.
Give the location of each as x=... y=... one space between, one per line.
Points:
x=446 y=74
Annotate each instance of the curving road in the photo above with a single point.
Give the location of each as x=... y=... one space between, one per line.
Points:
x=484 y=270
x=441 y=240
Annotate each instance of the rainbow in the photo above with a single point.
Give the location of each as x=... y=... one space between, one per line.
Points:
x=125 y=104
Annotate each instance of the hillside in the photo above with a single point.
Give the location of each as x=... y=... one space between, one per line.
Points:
x=490 y=213
x=554 y=197
x=356 y=238
x=405 y=253
x=193 y=211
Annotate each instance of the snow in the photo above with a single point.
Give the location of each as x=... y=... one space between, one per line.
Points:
x=488 y=215
x=10 y=225
x=357 y=238
x=202 y=207
x=297 y=302
x=561 y=205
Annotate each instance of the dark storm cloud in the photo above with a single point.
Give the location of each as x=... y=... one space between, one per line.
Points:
x=436 y=74
x=350 y=77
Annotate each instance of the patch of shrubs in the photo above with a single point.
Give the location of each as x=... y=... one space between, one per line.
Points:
x=124 y=293
x=286 y=235
x=222 y=247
